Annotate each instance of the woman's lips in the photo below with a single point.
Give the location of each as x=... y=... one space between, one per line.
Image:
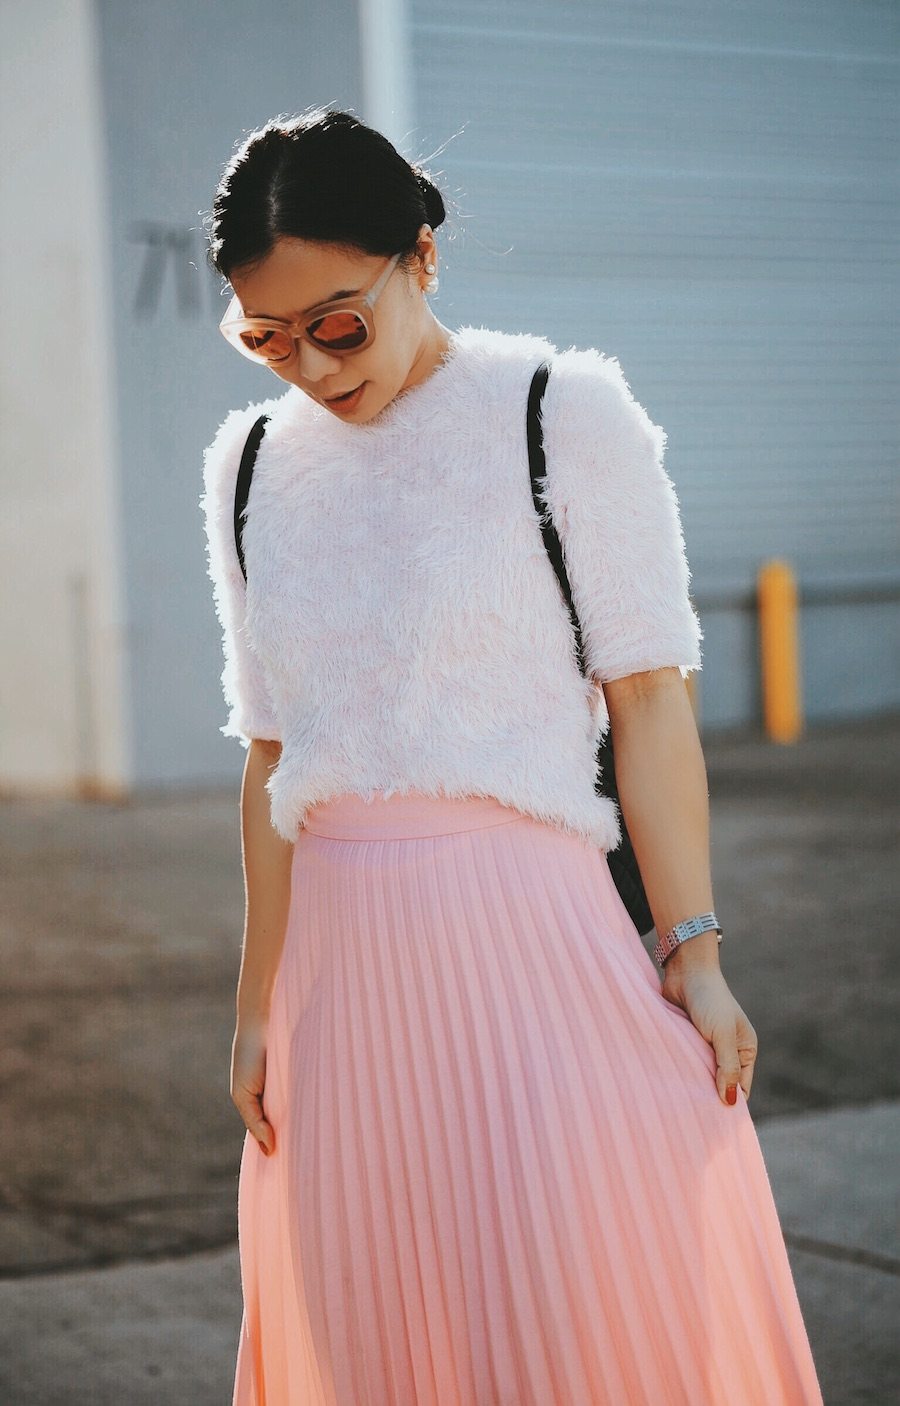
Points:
x=347 y=402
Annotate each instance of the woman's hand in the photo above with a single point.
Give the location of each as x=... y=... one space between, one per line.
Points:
x=248 y=1078
x=703 y=993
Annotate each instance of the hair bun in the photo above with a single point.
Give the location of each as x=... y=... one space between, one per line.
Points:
x=325 y=177
x=435 y=211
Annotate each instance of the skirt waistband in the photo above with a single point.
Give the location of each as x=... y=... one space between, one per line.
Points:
x=406 y=815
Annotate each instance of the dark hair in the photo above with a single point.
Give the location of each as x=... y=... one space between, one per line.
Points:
x=321 y=176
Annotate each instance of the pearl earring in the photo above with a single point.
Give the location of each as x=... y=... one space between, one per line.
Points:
x=434 y=283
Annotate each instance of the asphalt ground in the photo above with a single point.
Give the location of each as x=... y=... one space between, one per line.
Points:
x=120 y=926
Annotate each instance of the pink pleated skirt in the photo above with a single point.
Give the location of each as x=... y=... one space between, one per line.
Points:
x=503 y=1174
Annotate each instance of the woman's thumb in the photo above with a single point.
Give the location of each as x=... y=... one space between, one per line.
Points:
x=728 y=1067
x=258 y=1125
x=264 y=1136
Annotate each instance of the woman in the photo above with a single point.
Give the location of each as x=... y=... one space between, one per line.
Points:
x=490 y=1158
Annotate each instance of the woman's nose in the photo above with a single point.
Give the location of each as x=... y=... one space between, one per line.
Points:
x=313 y=364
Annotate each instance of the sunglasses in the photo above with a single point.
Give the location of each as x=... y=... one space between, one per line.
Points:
x=339 y=327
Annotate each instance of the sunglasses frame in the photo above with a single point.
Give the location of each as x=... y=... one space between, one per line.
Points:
x=234 y=323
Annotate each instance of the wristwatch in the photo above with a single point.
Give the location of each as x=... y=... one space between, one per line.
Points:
x=689 y=927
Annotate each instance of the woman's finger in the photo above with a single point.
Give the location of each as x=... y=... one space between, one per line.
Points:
x=728 y=1064
x=747 y=1064
x=250 y=1107
x=747 y=1051
x=735 y=1059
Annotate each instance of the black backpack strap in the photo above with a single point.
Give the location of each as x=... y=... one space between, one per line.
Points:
x=242 y=487
x=538 y=464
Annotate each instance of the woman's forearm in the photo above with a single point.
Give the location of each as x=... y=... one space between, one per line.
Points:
x=267 y=861
x=664 y=800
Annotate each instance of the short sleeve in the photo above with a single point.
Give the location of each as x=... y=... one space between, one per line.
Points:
x=618 y=519
x=251 y=710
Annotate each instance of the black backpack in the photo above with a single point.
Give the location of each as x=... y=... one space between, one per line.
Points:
x=622 y=861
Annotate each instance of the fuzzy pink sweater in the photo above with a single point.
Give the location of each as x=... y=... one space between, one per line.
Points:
x=402 y=627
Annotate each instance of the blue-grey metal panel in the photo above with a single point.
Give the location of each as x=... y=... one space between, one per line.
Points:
x=182 y=84
x=709 y=193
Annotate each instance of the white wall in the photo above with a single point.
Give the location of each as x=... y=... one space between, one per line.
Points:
x=62 y=691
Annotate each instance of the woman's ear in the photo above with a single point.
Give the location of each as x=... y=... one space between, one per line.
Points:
x=426 y=248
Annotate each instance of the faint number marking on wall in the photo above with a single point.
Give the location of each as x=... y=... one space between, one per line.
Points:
x=166 y=245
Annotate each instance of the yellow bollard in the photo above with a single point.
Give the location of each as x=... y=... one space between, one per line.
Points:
x=779 y=651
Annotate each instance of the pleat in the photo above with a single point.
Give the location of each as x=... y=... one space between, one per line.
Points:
x=503 y=1174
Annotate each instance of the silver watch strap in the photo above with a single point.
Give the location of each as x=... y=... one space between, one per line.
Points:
x=688 y=927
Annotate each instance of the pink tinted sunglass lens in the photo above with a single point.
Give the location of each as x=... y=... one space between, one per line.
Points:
x=339 y=331
x=269 y=345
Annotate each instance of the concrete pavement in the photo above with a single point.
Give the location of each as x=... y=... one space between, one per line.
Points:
x=120 y=930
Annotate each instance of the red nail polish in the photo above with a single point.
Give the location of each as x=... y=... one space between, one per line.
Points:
x=731 y=1093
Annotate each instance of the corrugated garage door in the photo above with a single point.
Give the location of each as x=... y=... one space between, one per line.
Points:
x=709 y=193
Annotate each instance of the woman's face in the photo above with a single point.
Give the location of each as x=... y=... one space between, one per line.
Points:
x=300 y=274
